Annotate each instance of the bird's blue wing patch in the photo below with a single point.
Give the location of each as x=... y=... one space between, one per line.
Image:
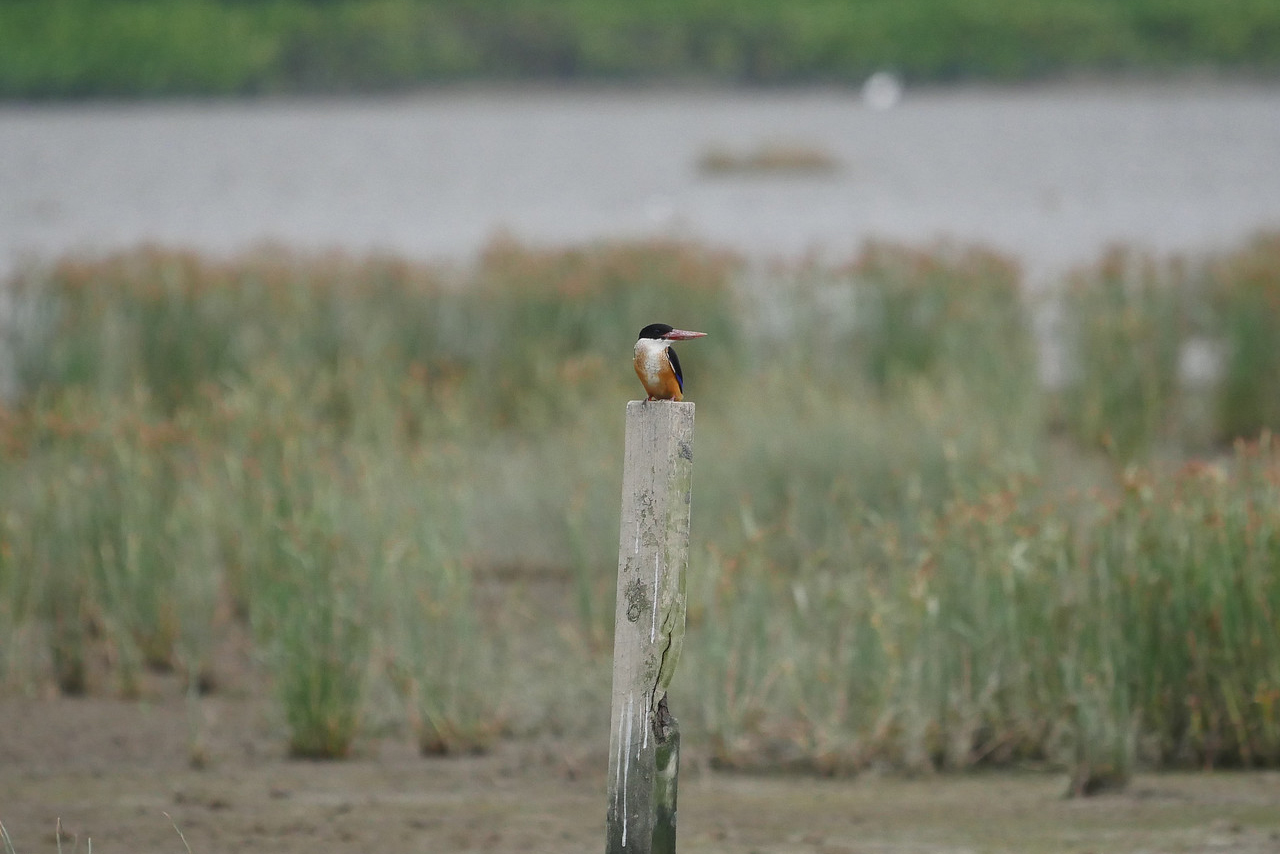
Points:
x=675 y=366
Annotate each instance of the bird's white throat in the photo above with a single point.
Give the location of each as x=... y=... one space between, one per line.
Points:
x=651 y=356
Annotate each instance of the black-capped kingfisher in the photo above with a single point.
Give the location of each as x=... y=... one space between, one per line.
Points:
x=656 y=363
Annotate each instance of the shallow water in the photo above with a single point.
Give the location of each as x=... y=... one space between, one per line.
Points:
x=1049 y=174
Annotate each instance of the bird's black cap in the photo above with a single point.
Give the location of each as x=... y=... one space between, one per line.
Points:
x=655 y=330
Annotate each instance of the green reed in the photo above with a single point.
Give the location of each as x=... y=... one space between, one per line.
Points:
x=1244 y=287
x=1131 y=321
x=446 y=664
x=308 y=600
x=349 y=557
x=449 y=664
x=95 y=537
x=1092 y=633
x=1125 y=327
x=324 y=451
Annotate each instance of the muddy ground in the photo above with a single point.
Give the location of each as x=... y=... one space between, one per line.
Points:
x=117 y=772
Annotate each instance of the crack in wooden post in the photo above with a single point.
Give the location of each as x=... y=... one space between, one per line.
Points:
x=653 y=552
x=666 y=779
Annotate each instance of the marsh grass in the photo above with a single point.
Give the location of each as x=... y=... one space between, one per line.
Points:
x=1244 y=287
x=1126 y=328
x=94 y=543
x=321 y=453
x=940 y=312
x=1132 y=320
x=309 y=607
x=452 y=666
x=1005 y=630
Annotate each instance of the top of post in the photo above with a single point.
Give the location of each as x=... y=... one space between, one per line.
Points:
x=660 y=405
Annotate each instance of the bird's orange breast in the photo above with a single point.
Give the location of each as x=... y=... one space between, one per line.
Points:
x=656 y=376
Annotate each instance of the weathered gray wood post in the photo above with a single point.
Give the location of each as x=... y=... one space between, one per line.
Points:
x=653 y=551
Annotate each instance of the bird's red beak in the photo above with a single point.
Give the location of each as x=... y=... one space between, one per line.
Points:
x=683 y=335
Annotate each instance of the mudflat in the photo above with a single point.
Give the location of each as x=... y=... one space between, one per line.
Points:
x=121 y=774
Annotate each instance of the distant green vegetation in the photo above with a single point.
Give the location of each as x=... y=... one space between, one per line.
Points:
x=906 y=551
x=80 y=48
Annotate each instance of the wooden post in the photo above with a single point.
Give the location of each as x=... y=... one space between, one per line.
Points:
x=653 y=550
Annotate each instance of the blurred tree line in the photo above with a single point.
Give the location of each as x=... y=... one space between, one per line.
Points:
x=79 y=48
